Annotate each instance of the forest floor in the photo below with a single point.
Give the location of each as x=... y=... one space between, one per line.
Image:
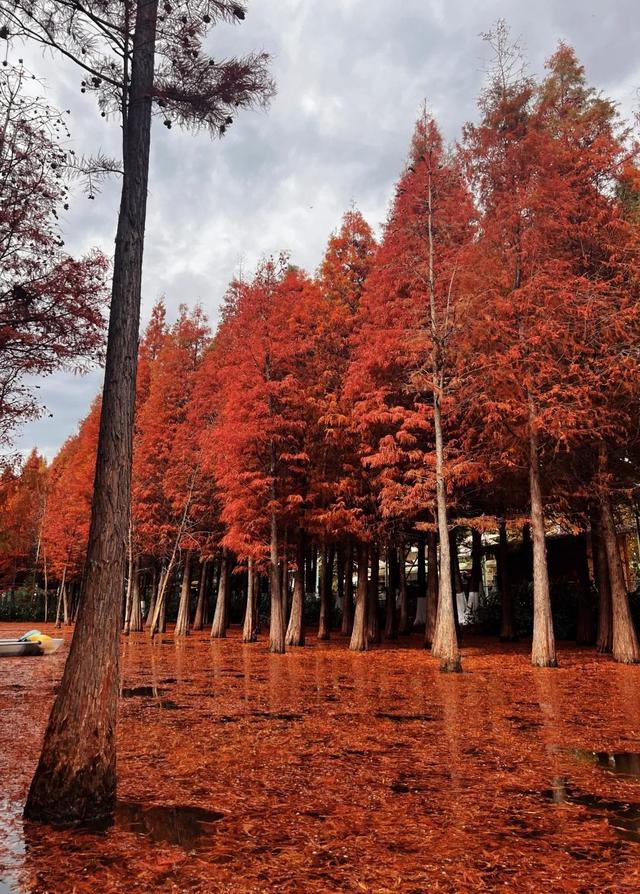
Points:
x=326 y=771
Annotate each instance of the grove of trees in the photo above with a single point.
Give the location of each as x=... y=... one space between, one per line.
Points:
x=476 y=369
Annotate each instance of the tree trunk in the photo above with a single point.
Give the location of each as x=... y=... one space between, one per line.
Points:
x=604 y=637
x=433 y=589
x=625 y=642
x=249 y=632
x=543 y=648
x=295 y=629
x=158 y=621
x=347 y=602
x=421 y=602
x=276 y=622
x=445 y=640
x=326 y=581
x=59 y=605
x=459 y=601
x=219 y=625
x=390 y=626
x=359 y=634
x=182 y=621
x=76 y=776
x=154 y=595
x=285 y=580
x=135 y=613
x=200 y=613
x=373 y=607
x=475 y=584
x=507 y=625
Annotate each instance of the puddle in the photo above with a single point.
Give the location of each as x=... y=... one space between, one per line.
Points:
x=183 y=826
x=405 y=718
x=400 y=788
x=622 y=763
x=140 y=692
x=622 y=816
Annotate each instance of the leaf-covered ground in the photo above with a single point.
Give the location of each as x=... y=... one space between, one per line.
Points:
x=323 y=771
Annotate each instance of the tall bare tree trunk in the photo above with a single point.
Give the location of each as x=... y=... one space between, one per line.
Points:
x=445 y=640
x=543 y=648
x=65 y=606
x=295 y=629
x=276 y=622
x=135 y=617
x=625 y=641
x=249 y=631
x=359 y=634
x=75 y=780
x=326 y=581
x=507 y=625
x=182 y=621
x=347 y=602
x=604 y=637
x=60 y=591
x=199 y=616
x=373 y=608
x=154 y=595
x=219 y=625
x=433 y=589
x=158 y=621
x=129 y=592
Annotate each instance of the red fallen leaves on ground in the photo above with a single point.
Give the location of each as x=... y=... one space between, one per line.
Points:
x=336 y=771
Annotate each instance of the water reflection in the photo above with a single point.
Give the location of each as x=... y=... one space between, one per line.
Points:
x=621 y=763
x=622 y=816
x=182 y=825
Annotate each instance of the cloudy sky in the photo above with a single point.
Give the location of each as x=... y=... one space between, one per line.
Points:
x=351 y=76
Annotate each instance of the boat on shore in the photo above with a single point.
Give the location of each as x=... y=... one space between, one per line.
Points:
x=31 y=644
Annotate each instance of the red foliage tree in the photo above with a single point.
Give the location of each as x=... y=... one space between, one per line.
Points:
x=51 y=305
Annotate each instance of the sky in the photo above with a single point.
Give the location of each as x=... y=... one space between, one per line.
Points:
x=352 y=76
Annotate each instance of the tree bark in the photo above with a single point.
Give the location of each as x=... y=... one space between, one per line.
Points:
x=625 y=641
x=199 y=619
x=75 y=780
x=58 y=623
x=295 y=629
x=249 y=632
x=433 y=589
x=604 y=637
x=219 y=625
x=284 y=566
x=543 y=648
x=347 y=602
x=276 y=622
x=326 y=582
x=135 y=612
x=182 y=621
x=507 y=625
x=154 y=595
x=359 y=634
x=373 y=607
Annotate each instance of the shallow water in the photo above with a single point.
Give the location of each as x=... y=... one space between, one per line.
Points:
x=323 y=770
